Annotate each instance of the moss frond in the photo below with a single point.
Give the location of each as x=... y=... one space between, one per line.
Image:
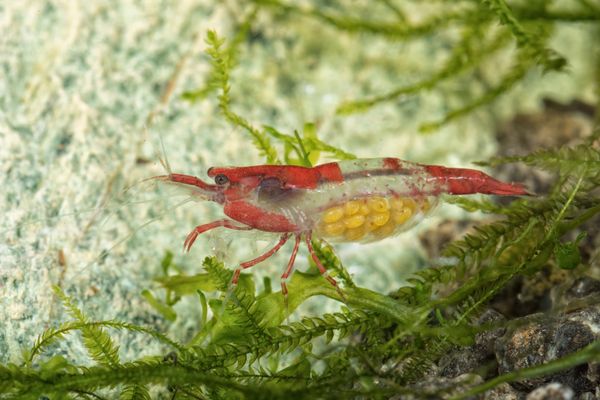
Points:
x=331 y=261
x=51 y=335
x=549 y=59
x=507 y=82
x=306 y=147
x=213 y=81
x=98 y=343
x=484 y=205
x=221 y=63
x=394 y=29
x=580 y=160
x=469 y=53
x=528 y=25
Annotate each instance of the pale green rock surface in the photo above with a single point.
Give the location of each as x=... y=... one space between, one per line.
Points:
x=78 y=81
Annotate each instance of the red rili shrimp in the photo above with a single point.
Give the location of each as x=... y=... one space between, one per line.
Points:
x=361 y=200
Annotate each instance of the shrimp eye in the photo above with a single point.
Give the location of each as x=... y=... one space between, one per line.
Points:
x=221 y=180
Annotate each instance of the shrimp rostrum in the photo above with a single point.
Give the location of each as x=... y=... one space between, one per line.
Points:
x=361 y=200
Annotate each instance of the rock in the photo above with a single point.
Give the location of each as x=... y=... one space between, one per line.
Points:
x=552 y=391
x=485 y=341
x=582 y=287
x=503 y=392
x=435 y=387
x=548 y=339
x=459 y=361
x=467 y=359
x=531 y=294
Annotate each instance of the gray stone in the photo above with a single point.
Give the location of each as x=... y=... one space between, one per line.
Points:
x=548 y=339
x=467 y=359
x=582 y=287
x=504 y=391
x=552 y=391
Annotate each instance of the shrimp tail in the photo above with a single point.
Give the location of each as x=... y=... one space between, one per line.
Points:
x=470 y=181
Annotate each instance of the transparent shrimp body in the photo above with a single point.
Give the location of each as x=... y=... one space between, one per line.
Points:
x=371 y=203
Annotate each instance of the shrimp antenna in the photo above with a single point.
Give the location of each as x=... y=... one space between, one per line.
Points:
x=162 y=156
x=164 y=161
x=135 y=230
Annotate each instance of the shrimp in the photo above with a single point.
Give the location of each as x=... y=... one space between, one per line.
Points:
x=362 y=200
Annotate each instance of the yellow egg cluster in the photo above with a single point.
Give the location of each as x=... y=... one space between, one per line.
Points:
x=376 y=216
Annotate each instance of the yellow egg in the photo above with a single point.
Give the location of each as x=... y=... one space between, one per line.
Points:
x=397 y=203
x=333 y=214
x=352 y=207
x=334 y=229
x=411 y=204
x=370 y=225
x=385 y=230
x=380 y=218
x=354 y=221
x=401 y=216
x=378 y=204
x=354 y=234
x=364 y=209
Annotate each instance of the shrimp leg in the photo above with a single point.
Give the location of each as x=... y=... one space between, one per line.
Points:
x=322 y=269
x=247 y=264
x=225 y=223
x=290 y=267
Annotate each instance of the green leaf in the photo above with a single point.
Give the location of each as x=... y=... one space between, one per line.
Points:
x=300 y=369
x=55 y=365
x=567 y=254
x=159 y=306
x=184 y=285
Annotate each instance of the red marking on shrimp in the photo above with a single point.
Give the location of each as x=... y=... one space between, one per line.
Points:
x=257 y=218
x=330 y=172
x=468 y=181
x=392 y=163
x=350 y=199
x=290 y=176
